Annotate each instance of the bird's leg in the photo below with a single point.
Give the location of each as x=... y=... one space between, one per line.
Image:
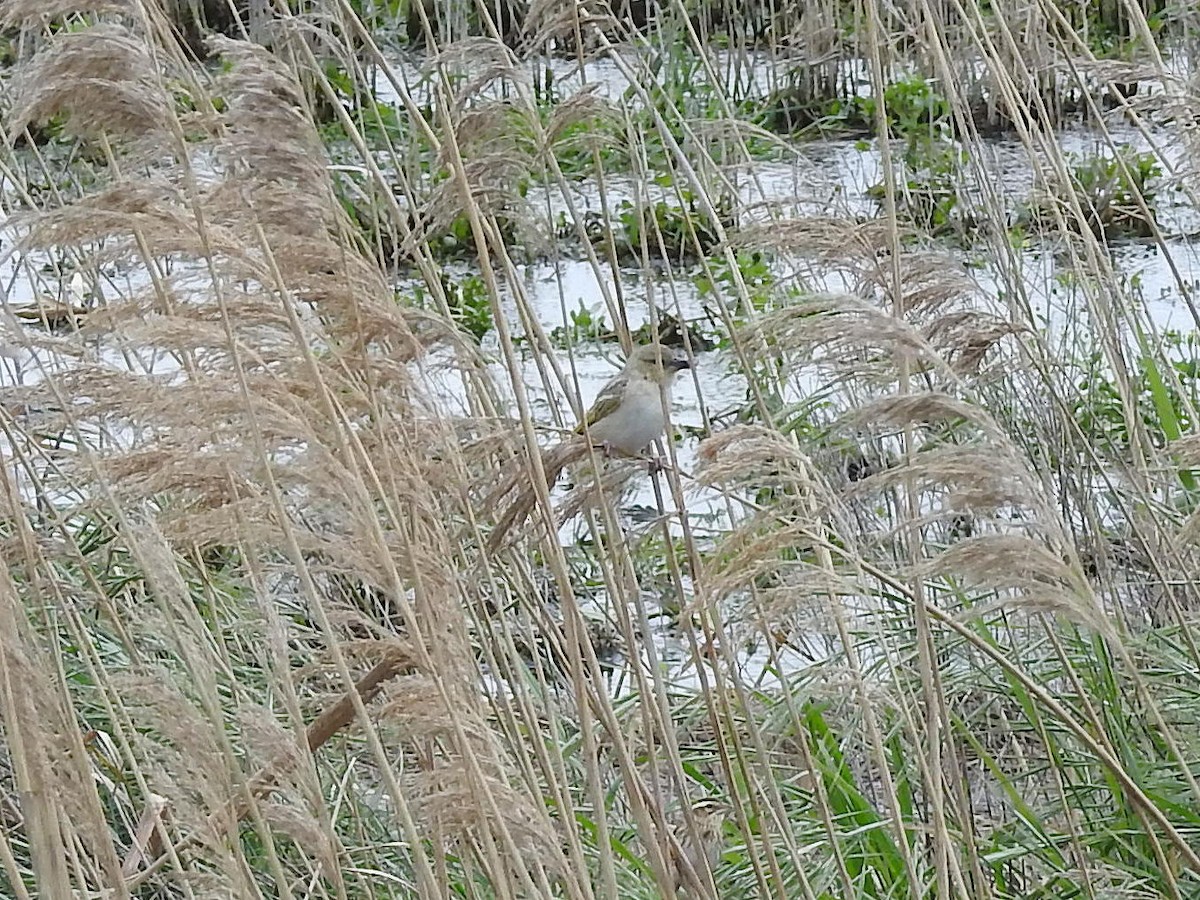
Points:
x=654 y=465
x=607 y=449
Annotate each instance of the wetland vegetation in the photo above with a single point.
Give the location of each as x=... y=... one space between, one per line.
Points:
x=295 y=296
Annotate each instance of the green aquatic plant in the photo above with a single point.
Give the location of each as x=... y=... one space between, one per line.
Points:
x=1167 y=392
x=678 y=231
x=585 y=324
x=1114 y=189
x=913 y=108
x=1115 y=193
x=928 y=188
x=470 y=306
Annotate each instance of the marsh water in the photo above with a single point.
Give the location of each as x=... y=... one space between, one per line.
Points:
x=814 y=177
x=829 y=177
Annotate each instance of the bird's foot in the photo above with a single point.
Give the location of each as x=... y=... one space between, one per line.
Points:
x=654 y=465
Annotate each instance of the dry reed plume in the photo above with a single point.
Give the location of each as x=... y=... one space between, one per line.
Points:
x=285 y=609
x=271 y=415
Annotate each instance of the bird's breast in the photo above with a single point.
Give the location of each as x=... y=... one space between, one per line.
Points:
x=636 y=421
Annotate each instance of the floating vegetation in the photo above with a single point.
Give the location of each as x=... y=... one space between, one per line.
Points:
x=1111 y=195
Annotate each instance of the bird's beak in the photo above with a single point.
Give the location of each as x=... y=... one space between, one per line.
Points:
x=676 y=364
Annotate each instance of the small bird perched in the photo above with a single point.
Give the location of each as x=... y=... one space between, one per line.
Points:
x=629 y=411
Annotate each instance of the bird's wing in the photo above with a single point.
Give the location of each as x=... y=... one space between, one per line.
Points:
x=606 y=403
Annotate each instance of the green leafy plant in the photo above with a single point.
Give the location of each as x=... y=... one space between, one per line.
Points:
x=1108 y=189
x=928 y=188
x=912 y=105
x=930 y=164
x=586 y=325
x=468 y=302
x=470 y=306
x=380 y=123
x=753 y=268
x=720 y=277
x=663 y=230
x=914 y=108
x=1166 y=387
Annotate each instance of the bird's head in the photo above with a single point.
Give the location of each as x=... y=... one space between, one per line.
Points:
x=656 y=362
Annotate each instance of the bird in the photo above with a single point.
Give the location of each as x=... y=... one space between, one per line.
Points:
x=702 y=845
x=630 y=412
x=627 y=415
